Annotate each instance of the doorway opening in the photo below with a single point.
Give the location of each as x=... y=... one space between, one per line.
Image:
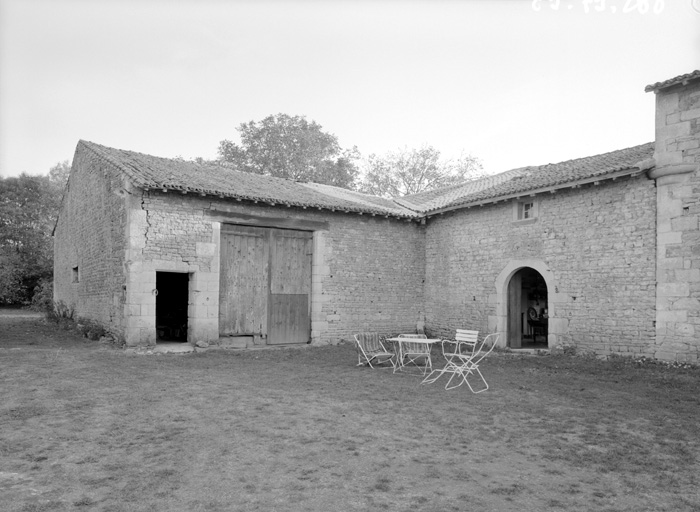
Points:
x=528 y=312
x=171 y=306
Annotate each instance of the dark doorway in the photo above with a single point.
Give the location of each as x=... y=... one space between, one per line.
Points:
x=528 y=315
x=171 y=306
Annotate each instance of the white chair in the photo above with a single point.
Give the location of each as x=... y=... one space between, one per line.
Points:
x=370 y=349
x=462 y=366
x=464 y=343
x=415 y=353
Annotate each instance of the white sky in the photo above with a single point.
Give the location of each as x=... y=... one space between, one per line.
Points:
x=499 y=79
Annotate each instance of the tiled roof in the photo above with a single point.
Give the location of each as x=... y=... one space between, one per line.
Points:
x=150 y=172
x=673 y=81
x=355 y=197
x=528 y=180
x=432 y=199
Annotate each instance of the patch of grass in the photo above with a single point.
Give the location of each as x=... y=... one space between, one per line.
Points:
x=83 y=501
x=48 y=506
x=89 y=427
x=509 y=489
x=382 y=484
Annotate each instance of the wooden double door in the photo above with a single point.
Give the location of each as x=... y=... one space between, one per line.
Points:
x=265 y=284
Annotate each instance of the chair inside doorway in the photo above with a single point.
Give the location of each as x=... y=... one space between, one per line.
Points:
x=536 y=325
x=530 y=318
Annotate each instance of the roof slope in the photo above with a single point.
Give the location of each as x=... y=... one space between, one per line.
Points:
x=680 y=79
x=354 y=196
x=150 y=172
x=529 y=180
x=432 y=199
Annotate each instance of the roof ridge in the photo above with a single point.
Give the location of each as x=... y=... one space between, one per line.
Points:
x=589 y=157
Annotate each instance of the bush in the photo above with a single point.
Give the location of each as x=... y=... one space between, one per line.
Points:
x=91 y=329
x=42 y=300
x=61 y=310
x=58 y=312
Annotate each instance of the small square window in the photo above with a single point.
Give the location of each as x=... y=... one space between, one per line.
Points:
x=76 y=275
x=525 y=210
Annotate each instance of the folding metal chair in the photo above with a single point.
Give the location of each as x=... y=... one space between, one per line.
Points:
x=464 y=343
x=414 y=353
x=462 y=366
x=370 y=349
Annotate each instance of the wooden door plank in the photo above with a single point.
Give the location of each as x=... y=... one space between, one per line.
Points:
x=243 y=296
x=290 y=286
x=289 y=319
x=291 y=262
x=515 y=336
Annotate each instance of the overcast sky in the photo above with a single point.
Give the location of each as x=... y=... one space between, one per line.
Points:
x=513 y=82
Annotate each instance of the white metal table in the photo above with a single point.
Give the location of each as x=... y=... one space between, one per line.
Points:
x=413 y=349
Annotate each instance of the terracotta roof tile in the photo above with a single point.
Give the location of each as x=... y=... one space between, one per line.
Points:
x=673 y=81
x=150 y=172
x=432 y=199
x=528 y=180
x=356 y=197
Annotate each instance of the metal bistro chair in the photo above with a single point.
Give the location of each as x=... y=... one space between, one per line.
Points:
x=371 y=350
x=414 y=353
x=462 y=366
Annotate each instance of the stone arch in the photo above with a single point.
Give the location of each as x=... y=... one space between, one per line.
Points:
x=557 y=326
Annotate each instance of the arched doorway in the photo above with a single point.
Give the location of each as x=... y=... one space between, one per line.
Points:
x=528 y=309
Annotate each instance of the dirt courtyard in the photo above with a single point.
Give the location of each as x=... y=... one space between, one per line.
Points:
x=85 y=426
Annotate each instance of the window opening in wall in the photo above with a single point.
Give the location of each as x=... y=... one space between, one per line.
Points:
x=171 y=306
x=76 y=275
x=525 y=210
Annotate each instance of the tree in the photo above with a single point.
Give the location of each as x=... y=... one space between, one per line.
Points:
x=409 y=171
x=58 y=174
x=293 y=148
x=28 y=209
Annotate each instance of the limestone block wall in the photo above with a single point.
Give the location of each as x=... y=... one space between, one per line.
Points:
x=166 y=236
x=372 y=279
x=677 y=175
x=367 y=271
x=595 y=247
x=89 y=243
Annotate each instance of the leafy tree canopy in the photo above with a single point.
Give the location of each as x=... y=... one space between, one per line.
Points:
x=58 y=174
x=28 y=209
x=409 y=171
x=291 y=147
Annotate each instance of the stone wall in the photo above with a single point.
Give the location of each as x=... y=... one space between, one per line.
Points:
x=89 y=243
x=595 y=247
x=367 y=271
x=677 y=175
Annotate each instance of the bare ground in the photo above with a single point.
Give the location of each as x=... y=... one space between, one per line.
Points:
x=87 y=427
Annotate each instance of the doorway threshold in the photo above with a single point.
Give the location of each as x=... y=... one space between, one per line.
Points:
x=173 y=348
x=531 y=351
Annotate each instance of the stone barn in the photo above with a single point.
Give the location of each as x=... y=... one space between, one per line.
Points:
x=159 y=249
x=599 y=253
